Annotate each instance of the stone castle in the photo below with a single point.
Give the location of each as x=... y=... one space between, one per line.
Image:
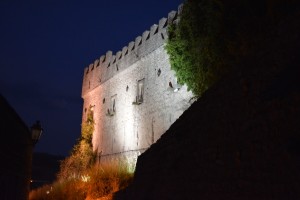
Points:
x=134 y=95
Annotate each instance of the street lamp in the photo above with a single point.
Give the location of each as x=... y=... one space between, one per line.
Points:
x=36 y=132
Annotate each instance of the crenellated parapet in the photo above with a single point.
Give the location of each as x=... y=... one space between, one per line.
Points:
x=108 y=65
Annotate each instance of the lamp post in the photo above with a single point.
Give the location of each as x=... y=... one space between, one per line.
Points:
x=36 y=132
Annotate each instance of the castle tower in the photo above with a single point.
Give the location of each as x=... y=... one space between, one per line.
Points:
x=134 y=95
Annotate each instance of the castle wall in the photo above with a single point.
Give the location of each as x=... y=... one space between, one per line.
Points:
x=133 y=124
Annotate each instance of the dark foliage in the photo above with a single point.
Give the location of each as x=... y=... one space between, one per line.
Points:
x=212 y=35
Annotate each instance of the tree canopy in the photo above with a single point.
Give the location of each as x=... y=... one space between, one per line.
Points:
x=211 y=35
x=193 y=45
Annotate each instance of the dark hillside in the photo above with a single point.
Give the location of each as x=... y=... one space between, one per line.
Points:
x=241 y=140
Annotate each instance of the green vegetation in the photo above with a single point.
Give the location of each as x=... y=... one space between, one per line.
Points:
x=97 y=182
x=213 y=35
x=193 y=46
x=82 y=156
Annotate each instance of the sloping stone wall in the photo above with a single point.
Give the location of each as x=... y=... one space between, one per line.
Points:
x=241 y=140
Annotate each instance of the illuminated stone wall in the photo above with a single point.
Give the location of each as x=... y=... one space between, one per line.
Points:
x=132 y=126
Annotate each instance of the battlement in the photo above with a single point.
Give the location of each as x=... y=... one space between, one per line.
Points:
x=108 y=65
x=134 y=95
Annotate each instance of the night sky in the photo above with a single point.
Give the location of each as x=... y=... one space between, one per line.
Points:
x=44 y=47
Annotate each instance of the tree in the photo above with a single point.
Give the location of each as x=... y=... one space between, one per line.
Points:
x=194 y=46
x=211 y=36
x=82 y=156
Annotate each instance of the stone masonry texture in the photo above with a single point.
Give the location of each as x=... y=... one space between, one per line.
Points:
x=124 y=125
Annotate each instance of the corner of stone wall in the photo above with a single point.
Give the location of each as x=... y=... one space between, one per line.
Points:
x=126 y=160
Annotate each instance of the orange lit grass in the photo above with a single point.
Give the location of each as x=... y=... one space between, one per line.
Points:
x=103 y=181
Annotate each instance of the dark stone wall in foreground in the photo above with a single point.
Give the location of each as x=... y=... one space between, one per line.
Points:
x=15 y=153
x=241 y=140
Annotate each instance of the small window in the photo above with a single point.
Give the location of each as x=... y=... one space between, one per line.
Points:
x=126 y=52
x=90 y=114
x=113 y=104
x=158 y=72
x=112 y=110
x=140 y=92
x=175 y=87
x=162 y=36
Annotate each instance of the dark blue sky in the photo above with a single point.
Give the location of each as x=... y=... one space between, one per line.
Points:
x=44 y=47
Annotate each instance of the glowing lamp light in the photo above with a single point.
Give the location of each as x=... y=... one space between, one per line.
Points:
x=92 y=107
x=177 y=87
x=174 y=87
x=36 y=132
